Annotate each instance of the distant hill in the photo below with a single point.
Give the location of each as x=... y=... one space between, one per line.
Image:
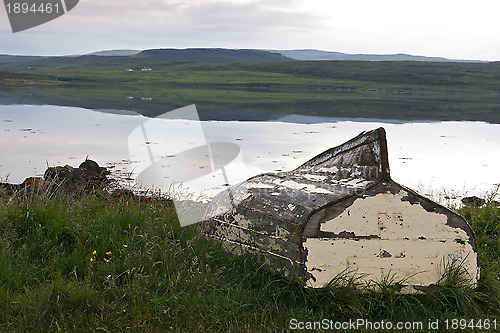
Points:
x=232 y=55
x=210 y=55
x=144 y=58
x=326 y=55
x=132 y=58
x=11 y=59
x=115 y=53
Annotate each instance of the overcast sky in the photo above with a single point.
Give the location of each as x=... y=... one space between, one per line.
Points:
x=448 y=28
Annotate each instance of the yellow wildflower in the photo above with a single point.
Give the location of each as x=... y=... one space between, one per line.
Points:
x=125 y=245
x=108 y=253
x=91 y=259
x=94 y=252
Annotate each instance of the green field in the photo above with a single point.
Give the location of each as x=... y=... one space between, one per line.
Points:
x=347 y=89
x=90 y=264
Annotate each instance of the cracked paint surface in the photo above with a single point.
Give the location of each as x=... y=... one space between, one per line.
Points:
x=383 y=235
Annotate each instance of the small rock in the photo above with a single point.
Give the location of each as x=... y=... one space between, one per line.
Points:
x=473 y=201
x=88 y=176
x=59 y=174
x=92 y=167
x=33 y=182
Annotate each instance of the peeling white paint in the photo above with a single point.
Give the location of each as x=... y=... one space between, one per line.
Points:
x=241 y=220
x=357 y=183
x=250 y=185
x=314 y=178
x=307 y=187
x=331 y=170
x=281 y=232
x=401 y=240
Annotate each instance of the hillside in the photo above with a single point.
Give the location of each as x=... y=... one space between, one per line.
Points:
x=10 y=59
x=200 y=55
x=326 y=55
x=144 y=58
x=217 y=55
x=115 y=53
x=226 y=55
x=210 y=55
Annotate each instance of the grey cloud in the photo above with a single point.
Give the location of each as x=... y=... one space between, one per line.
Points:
x=124 y=9
x=153 y=13
x=252 y=16
x=218 y=20
x=197 y=23
x=105 y=24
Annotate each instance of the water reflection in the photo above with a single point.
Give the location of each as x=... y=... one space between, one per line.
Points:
x=432 y=157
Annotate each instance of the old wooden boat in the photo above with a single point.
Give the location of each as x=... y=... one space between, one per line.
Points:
x=341 y=213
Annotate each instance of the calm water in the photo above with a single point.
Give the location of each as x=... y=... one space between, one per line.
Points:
x=434 y=158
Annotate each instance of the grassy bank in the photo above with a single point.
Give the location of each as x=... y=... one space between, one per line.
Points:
x=24 y=80
x=89 y=264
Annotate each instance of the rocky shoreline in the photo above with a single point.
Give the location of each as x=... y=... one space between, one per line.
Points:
x=87 y=178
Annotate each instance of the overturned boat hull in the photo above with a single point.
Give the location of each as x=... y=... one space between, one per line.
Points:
x=341 y=212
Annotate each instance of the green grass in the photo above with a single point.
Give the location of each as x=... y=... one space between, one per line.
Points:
x=420 y=76
x=90 y=265
x=13 y=80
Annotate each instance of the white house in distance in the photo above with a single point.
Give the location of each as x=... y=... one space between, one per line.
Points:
x=144 y=69
x=129 y=70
